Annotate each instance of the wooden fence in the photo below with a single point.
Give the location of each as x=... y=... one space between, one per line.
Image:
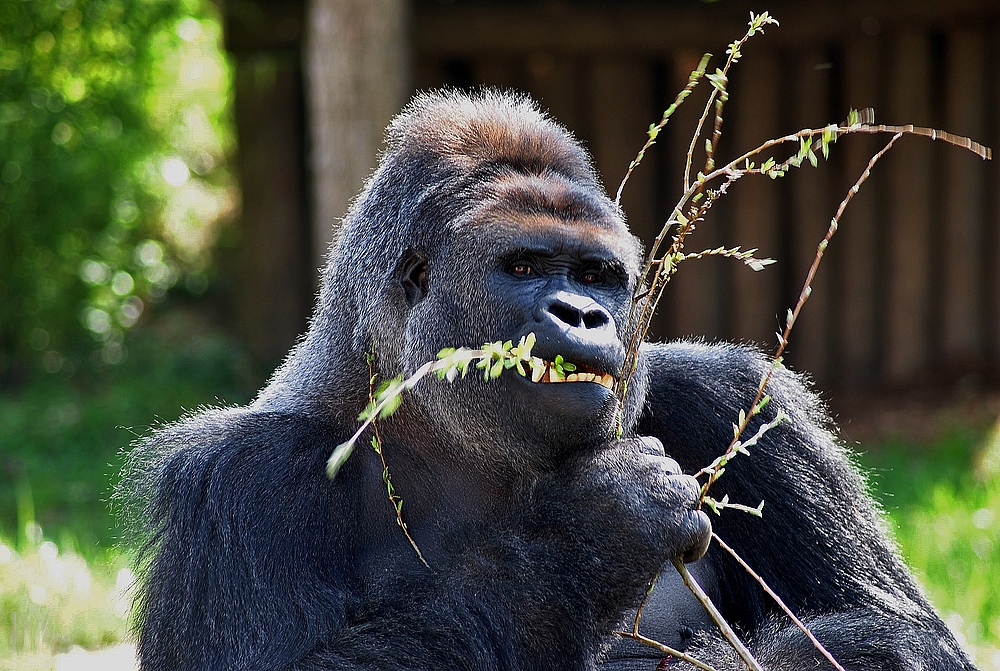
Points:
x=910 y=288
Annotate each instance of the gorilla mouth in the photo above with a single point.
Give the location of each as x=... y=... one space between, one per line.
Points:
x=545 y=372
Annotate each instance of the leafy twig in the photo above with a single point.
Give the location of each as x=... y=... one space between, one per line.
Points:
x=761 y=399
x=654 y=129
x=715 y=470
x=720 y=95
x=658 y=270
x=394 y=498
x=492 y=359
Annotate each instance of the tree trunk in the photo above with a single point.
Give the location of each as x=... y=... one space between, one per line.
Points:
x=356 y=56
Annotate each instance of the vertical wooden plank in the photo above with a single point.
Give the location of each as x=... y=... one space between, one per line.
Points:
x=757 y=99
x=910 y=205
x=357 y=65
x=859 y=288
x=552 y=80
x=500 y=71
x=695 y=308
x=272 y=267
x=964 y=212
x=811 y=211
x=620 y=95
x=992 y=170
x=620 y=109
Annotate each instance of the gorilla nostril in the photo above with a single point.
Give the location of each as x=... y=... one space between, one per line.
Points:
x=567 y=314
x=573 y=310
x=594 y=319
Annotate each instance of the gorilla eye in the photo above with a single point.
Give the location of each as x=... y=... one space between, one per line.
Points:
x=522 y=269
x=591 y=277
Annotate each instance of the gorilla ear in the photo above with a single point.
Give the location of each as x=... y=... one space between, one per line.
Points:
x=413 y=278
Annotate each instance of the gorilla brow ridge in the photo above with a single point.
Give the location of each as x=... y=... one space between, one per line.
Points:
x=552 y=197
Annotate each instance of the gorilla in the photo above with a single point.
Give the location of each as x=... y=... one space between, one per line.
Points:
x=541 y=523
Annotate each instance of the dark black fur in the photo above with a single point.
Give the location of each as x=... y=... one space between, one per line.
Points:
x=540 y=528
x=821 y=543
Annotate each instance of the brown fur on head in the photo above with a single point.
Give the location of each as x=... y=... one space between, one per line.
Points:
x=488 y=129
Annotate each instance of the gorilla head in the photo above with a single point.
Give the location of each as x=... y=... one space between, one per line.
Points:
x=484 y=222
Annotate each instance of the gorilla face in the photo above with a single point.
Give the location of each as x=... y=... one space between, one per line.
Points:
x=538 y=254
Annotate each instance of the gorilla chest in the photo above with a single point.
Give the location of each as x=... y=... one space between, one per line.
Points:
x=671 y=616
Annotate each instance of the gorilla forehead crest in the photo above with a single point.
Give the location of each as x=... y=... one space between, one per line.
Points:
x=488 y=130
x=503 y=151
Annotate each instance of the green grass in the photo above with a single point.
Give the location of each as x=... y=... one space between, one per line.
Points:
x=62 y=580
x=51 y=600
x=943 y=501
x=61 y=441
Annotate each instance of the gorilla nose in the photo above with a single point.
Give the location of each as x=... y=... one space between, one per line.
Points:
x=572 y=310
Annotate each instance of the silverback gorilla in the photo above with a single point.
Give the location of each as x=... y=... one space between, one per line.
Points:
x=485 y=221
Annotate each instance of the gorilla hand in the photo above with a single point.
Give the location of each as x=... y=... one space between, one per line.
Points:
x=650 y=497
x=620 y=513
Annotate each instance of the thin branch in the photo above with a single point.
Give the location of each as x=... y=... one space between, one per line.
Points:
x=642 y=604
x=718 y=98
x=394 y=499
x=716 y=616
x=781 y=604
x=654 y=131
x=665 y=649
x=794 y=313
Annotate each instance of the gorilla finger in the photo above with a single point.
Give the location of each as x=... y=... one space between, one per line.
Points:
x=701 y=537
x=649 y=445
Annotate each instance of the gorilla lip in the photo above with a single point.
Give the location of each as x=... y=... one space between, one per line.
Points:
x=544 y=372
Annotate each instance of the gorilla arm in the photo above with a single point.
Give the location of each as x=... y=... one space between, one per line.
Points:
x=821 y=544
x=255 y=556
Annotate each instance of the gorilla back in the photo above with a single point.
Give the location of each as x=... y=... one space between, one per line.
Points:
x=541 y=528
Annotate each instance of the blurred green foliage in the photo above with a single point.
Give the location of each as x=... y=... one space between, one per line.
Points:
x=61 y=444
x=943 y=500
x=63 y=582
x=113 y=137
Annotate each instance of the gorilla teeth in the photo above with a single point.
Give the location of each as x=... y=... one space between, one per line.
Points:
x=537 y=371
x=544 y=372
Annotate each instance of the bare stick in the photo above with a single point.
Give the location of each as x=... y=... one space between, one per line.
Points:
x=781 y=604
x=716 y=616
x=665 y=649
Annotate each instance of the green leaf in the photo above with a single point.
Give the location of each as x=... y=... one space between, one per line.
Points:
x=367 y=413
x=338 y=458
x=391 y=404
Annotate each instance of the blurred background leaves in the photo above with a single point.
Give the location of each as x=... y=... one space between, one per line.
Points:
x=114 y=137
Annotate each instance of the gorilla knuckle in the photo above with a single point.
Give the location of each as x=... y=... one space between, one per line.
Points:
x=699 y=536
x=650 y=445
